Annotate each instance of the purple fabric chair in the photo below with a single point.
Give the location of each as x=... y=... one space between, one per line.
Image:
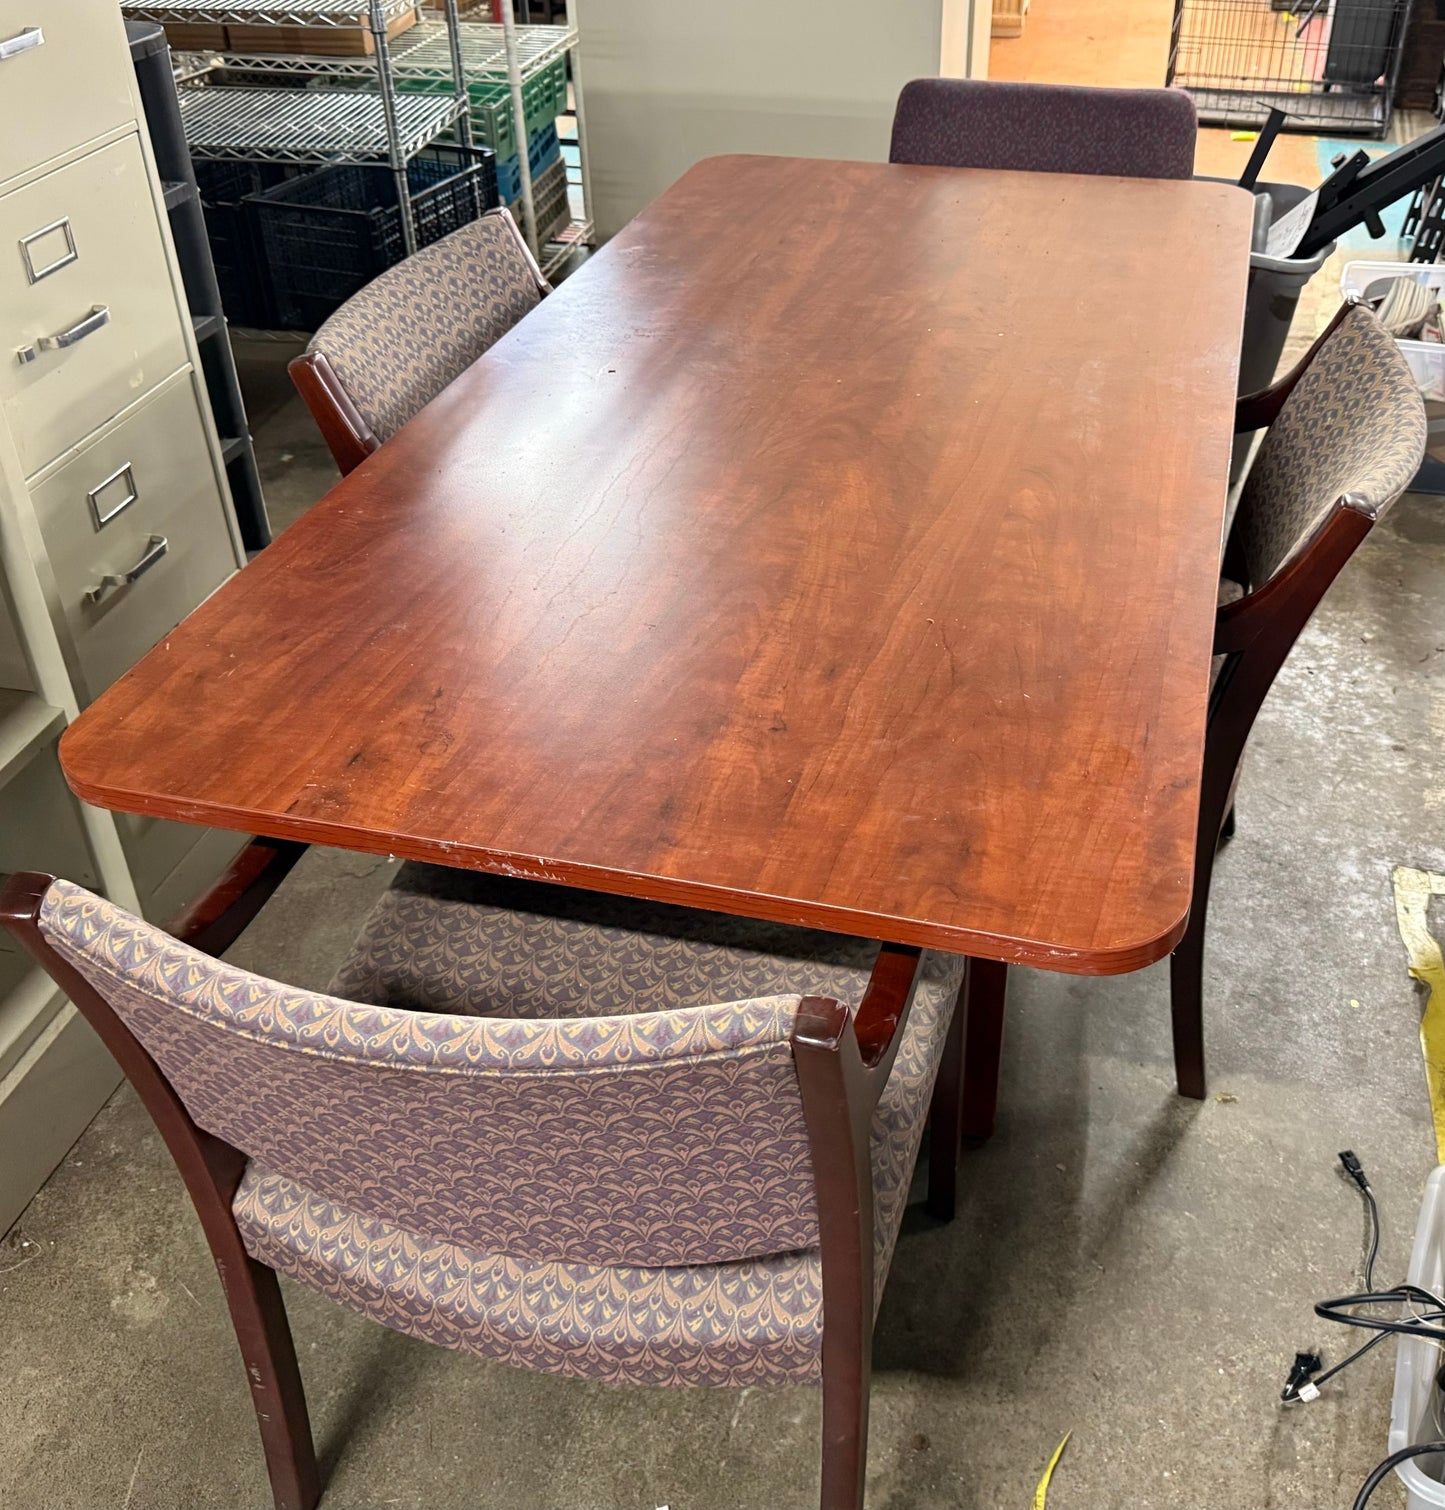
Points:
x=1045 y=128
x=574 y=1133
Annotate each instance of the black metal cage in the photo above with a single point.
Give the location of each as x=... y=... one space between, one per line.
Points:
x=1331 y=64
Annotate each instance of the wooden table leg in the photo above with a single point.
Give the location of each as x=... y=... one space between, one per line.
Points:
x=984 y=989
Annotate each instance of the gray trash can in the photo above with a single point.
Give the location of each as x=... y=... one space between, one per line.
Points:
x=1275 y=285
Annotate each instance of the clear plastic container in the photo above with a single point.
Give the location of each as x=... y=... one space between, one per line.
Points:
x=1413 y=1408
x=1426 y=358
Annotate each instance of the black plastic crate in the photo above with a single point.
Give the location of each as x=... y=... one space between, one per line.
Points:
x=329 y=233
x=241 y=271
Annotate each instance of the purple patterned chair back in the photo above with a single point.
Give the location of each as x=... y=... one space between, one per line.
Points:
x=421 y=324
x=1353 y=424
x=1045 y=128
x=652 y=1138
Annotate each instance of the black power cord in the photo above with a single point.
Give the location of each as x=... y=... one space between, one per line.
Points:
x=1356 y=1172
x=1382 y=1471
x=1305 y=1377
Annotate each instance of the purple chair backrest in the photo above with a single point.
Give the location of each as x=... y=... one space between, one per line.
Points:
x=661 y=1138
x=1045 y=128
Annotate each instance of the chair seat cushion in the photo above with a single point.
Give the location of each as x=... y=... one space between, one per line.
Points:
x=479 y=945
x=752 y=1322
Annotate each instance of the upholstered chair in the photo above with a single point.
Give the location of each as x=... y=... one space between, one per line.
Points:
x=392 y=347
x=1045 y=128
x=581 y=1134
x=1346 y=434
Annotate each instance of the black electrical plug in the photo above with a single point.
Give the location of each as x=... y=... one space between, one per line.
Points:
x=1304 y=1368
x=1354 y=1168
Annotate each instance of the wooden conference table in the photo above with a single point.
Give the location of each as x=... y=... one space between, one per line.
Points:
x=838 y=546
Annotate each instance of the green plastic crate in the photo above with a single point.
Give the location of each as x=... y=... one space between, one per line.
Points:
x=544 y=98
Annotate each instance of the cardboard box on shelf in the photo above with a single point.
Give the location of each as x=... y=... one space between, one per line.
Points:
x=188 y=38
x=316 y=41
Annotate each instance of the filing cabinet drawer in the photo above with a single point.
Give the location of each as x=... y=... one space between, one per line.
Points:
x=135 y=529
x=64 y=78
x=87 y=314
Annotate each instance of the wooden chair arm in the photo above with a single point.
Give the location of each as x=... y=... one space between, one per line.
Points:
x=1254 y=411
x=213 y=922
x=1305 y=576
x=543 y=287
x=347 y=435
x=883 y=1012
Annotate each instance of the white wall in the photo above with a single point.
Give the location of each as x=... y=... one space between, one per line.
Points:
x=668 y=82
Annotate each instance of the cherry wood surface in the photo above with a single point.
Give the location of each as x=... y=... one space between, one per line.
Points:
x=837 y=546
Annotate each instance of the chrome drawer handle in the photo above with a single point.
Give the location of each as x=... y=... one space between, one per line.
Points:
x=103 y=512
x=12 y=47
x=98 y=317
x=60 y=260
x=156 y=547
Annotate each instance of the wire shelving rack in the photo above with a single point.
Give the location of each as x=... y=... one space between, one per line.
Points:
x=321 y=126
x=352 y=122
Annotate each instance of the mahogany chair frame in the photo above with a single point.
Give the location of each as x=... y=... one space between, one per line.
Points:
x=842 y=1061
x=1256 y=634
x=348 y=436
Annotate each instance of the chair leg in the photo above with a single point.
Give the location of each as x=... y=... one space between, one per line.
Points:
x=847 y=1382
x=984 y=988
x=1186 y=964
x=945 y=1121
x=1186 y=1003
x=264 y=1336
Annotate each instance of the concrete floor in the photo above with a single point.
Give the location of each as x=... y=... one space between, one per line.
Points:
x=1124 y=1265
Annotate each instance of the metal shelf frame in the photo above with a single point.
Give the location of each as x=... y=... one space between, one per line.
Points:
x=320 y=126
x=361 y=126
x=235 y=122
x=260 y=13
x=425 y=52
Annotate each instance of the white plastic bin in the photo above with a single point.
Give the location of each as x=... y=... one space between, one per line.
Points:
x=1426 y=358
x=1412 y=1410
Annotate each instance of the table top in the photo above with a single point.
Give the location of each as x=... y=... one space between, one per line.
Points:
x=837 y=546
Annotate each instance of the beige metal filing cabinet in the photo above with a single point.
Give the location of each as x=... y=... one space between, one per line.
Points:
x=114 y=517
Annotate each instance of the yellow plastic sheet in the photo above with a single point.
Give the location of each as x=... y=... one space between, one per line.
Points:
x=1041 y=1494
x=1413 y=890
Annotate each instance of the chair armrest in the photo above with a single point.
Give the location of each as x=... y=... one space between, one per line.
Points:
x=883 y=1012
x=1278 y=608
x=1253 y=411
x=214 y=921
x=347 y=435
x=543 y=287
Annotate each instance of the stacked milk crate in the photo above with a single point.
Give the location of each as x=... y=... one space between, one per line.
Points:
x=330 y=144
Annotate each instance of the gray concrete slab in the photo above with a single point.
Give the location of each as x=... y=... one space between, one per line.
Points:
x=1133 y=1268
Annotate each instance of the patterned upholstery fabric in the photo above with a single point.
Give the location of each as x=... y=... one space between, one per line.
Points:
x=1355 y=423
x=755 y=1322
x=421 y=324
x=365 y=1089
x=1045 y=128
x=505 y=1132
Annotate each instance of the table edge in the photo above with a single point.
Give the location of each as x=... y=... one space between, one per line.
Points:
x=1120 y=959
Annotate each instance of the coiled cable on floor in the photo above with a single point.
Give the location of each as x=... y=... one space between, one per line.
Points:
x=1420 y=1314
x=1382 y=1471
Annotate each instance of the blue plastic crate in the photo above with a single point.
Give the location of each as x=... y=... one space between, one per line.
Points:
x=543 y=149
